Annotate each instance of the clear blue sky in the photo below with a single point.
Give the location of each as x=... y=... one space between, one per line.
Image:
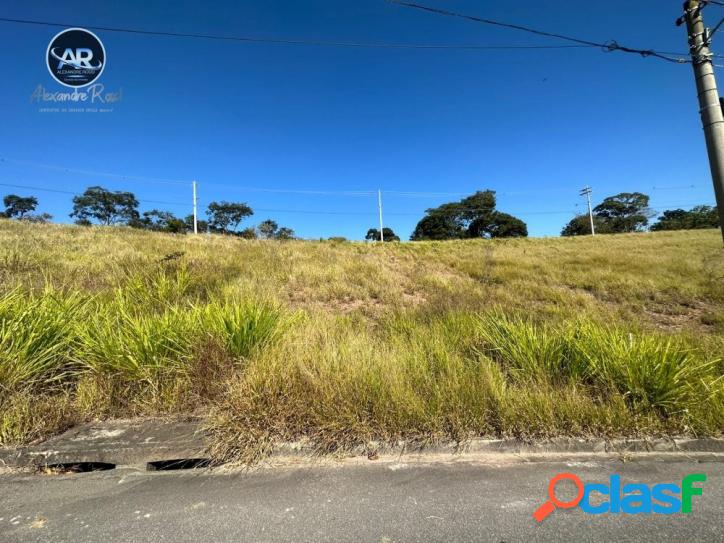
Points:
x=540 y=124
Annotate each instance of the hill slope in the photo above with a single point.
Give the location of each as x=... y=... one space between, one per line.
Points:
x=345 y=342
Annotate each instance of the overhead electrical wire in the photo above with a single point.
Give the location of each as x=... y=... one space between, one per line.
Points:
x=608 y=46
x=307 y=192
x=328 y=212
x=279 y=41
x=58 y=191
x=95 y=173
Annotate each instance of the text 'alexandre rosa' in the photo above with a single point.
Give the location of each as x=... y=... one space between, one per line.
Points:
x=94 y=94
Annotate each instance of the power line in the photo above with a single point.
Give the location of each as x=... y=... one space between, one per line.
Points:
x=94 y=173
x=43 y=189
x=607 y=47
x=278 y=41
x=372 y=213
x=353 y=193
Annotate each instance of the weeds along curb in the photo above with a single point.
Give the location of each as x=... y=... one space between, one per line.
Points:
x=146 y=441
x=304 y=452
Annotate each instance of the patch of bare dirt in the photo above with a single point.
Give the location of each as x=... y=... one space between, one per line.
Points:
x=675 y=317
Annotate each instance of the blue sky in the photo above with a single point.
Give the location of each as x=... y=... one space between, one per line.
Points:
x=535 y=125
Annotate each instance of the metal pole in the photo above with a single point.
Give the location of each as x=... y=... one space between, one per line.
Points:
x=590 y=212
x=379 y=206
x=196 y=226
x=711 y=110
x=587 y=191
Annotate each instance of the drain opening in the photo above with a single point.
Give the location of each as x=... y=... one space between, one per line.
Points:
x=182 y=463
x=75 y=467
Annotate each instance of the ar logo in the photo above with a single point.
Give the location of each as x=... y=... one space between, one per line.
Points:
x=75 y=57
x=79 y=60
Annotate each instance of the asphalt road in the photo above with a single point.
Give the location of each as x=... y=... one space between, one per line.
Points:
x=376 y=502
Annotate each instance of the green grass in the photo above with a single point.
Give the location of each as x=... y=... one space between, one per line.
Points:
x=344 y=343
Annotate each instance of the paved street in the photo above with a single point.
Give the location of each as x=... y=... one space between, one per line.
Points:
x=375 y=502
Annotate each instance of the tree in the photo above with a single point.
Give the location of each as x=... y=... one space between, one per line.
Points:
x=267 y=229
x=17 y=207
x=625 y=212
x=225 y=217
x=580 y=225
x=285 y=233
x=472 y=217
x=248 y=233
x=201 y=226
x=436 y=226
x=498 y=225
x=104 y=206
x=697 y=218
x=373 y=234
x=38 y=218
x=161 y=221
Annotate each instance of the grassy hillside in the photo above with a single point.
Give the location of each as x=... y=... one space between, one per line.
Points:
x=346 y=342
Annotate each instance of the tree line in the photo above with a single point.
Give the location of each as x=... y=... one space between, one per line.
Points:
x=630 y=212
x=98 y=205
x=474 y=216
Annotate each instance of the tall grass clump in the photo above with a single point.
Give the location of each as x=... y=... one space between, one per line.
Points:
x=137 y=346
x=528 y=352
x=244 y=327
x=37 y=338
x=651 y=372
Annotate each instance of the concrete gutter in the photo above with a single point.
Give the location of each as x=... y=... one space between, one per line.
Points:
x=136 y=442
x=120 y=442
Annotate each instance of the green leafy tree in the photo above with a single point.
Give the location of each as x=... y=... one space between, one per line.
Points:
x=17 y=207
x=437 y=226
x=267 y=229
x=580 y=225
x=697 y=218
x=472 y=217
x=105 y=207
x=161 y=221
x=497 y=225
x=201 y=225
x=373 y=234
x=40 y=218
x=248 y=233
x=625 y=212
x=285 y=233
x=225 y=217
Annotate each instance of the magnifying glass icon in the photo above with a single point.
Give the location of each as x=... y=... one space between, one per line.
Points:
x=548 y=507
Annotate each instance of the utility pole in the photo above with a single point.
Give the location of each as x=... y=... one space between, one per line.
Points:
x=196 y=227
x=587 y=191
x=379 y=207
x=711 y=109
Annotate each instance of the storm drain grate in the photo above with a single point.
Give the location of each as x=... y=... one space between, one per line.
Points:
x=75 y=467
x=181 y=463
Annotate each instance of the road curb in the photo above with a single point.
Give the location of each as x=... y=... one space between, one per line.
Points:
x=136 y=442
x=306 y=448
